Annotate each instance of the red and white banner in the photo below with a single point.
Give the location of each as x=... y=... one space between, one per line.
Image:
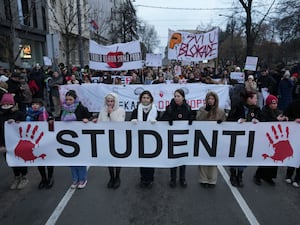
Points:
x=122 y=56
x=153 y=145
x=193 y=47
x=92 y=95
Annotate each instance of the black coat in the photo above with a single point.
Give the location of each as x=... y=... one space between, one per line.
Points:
x=178 y=112
x=244 y=111
x=268 y=114
x=6 y=115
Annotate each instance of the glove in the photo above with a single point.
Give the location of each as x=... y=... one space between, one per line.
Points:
x=190 y=122
x=134 y=121
x=208 y=108
x=171 y=122
x=152 y=121
x=219 y=121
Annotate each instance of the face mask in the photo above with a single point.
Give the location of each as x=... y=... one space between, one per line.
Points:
x=6 y=106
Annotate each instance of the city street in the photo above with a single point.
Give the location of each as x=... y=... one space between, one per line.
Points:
x=160 y=205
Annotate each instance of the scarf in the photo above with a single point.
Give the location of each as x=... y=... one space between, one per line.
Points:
x=33 y=115
x=150 y=109
x=68 y=113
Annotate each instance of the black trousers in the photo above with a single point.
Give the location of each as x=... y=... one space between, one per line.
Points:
x=147 y=174
x=266 y=172
x=181 y=173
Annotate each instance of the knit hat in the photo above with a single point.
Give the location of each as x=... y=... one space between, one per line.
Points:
x=251 y=77
x=7 y=99
x=271 y=99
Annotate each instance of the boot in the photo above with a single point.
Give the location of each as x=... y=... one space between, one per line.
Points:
x=233 y=177
x=240 y=178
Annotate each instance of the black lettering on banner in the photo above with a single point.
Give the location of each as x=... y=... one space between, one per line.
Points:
x=211 y=150
x=112 y=146
x=172 y=143
x=141 y=135
x=250 y=143
x=93 y=134
x=60 y=140
x=233 y=135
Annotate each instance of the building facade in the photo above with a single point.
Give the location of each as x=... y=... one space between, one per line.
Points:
x=23 y=29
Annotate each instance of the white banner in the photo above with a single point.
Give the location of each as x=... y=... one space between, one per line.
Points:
x=152 y=145
x=193 y=47
x=122 y=56
x=92 y=95
x=251 y=63
x=153 y=60
x=238 y=76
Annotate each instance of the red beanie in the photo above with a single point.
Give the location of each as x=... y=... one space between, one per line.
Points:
x=7 y=99
x=271 y=99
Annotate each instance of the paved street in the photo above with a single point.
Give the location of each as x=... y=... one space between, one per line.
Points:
x=135 y=206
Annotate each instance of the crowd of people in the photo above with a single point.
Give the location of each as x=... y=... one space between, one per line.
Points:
x=33 y=95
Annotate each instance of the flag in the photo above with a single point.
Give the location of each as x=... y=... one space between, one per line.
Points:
x=94 y=25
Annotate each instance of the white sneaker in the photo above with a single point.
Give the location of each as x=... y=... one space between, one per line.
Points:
x=23 y=182
x=74 y=185
x=288 y=180
x=295 y=184
x=15 y=183
x=82 y=184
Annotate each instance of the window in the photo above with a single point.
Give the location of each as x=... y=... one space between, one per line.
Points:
x=44 y=18
x=7 y=9
x=34 y=16
x=25 y=11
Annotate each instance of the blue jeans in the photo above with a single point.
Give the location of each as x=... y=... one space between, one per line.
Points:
x=79 y=173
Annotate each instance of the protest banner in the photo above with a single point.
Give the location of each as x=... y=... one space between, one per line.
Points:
x=152 y=145
x=121 y=56
x=193 y=47
x=91 y=95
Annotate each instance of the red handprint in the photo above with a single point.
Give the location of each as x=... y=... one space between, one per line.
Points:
x=25 y=148
x=281 y=146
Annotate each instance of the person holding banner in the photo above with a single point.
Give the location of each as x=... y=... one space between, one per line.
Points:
x=269 y=113
x=112 y=112
x=210 y=112
x=9 y=112
x=37 y=112
x=73 y=110
x=293 y=113
x=146 y=111
x=178 y=110
x=245 y=111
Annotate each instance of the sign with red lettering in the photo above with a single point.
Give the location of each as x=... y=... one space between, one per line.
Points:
x=193 y=47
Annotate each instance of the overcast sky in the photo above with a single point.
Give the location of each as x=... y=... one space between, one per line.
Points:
x=206 y=14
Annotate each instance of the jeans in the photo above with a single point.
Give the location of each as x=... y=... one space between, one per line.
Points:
x=79 y=173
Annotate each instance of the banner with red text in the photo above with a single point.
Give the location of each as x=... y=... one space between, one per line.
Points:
x=92 y=95
x=193 y=47
x=122 y=56
x=153 y=145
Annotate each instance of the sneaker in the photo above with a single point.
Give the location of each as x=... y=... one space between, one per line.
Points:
x=15 y=183
x=288 y=180
x=42 y=184
x=110 y=183
x=183 y=183
x=270 y=181
x=257 y=180
x=23 y=182
x=74 y=185
x=172 y=183
x=82 y=184
x=296 y=184
x=117 y=183
x=50 y=183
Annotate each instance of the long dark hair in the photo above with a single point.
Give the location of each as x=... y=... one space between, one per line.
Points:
x=146 y=93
